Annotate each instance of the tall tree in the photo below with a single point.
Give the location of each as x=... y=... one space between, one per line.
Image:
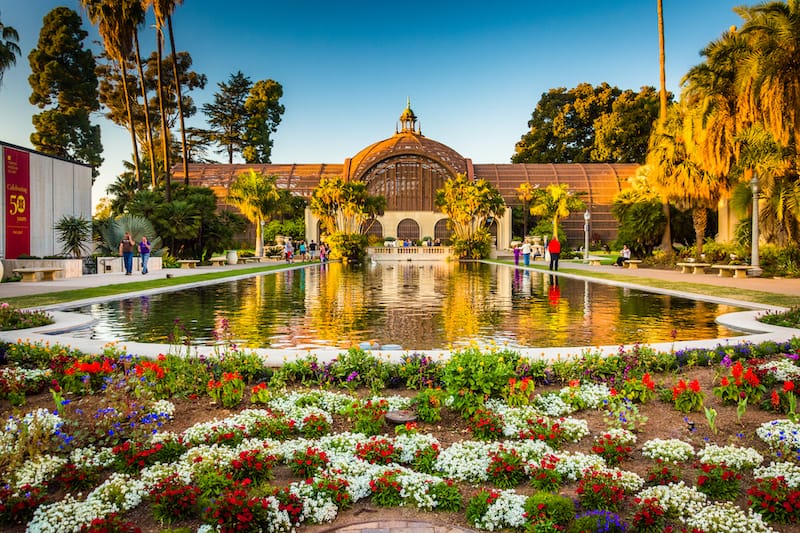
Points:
x=116 y=22
x=564 y=125
x=666 y=240
x=227 y=115
x=555 y=202
x=257 y=197
x=9 y=49
x=65 y=85
x=163 y=10
x=264 y=112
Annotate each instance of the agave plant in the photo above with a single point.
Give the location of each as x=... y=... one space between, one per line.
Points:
x=112 y=234
x=75 y=233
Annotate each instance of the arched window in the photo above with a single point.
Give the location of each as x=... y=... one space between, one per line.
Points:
x=374 y=228
x=408 y=182
x=441 y=231
x=408 y=229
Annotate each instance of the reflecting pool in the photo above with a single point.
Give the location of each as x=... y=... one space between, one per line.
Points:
x=417 y=306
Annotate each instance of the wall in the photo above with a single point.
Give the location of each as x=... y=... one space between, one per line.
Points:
x=56 y=188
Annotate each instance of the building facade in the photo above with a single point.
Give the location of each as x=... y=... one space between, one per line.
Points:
x=39 y=190
x=408 y=168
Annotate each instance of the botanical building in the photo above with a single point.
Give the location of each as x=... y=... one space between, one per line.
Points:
x=408 y=168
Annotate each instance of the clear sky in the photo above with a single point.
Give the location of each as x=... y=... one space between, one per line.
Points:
x=474 y=70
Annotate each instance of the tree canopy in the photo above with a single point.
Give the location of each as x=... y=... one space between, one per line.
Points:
x=64 y=84
x=589 y=124
x=257 y=197
x=9 y=49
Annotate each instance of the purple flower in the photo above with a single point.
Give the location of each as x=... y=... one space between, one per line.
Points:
x=353 y=375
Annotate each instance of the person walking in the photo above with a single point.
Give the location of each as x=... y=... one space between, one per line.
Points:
x=517 y=253
x=554 y=247
x=144 y=252
x=323 y=253
x=302 y=251
x=526 y=253
x=312 y=249
x=126 y=251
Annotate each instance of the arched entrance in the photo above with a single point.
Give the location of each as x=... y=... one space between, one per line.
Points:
x=441 y=231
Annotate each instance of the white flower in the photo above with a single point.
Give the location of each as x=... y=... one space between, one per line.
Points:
x=668 y=450
x=508 y=511
x=725 y=517
x=781 y=369
x=38 y=470
x=735 y=457
x=572 y=465
x=780 y=434
x=789 y=471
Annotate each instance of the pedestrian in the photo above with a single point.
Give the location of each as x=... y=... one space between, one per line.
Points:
x=312 y=249
x=554 y=247
x=302 y=249
x=126 y=251
x=625 y=255
x=144 y=252
x=288 y=251
x=323 y=253
x=526 y=252
x=517 y=253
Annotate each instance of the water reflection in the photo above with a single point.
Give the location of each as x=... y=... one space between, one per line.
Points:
x=415 y=305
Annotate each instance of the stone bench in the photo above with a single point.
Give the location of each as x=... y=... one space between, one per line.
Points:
x=218 y=261
x=633 y=264
x=32 y=273
x=247 y=260
x=694 y=268
x=188 y=263
x=732 y=271
x=594 y=261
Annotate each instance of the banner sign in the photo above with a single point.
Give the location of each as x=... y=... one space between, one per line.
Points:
x=18 y=195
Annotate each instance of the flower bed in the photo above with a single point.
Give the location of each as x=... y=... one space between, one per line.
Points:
x=219 y=442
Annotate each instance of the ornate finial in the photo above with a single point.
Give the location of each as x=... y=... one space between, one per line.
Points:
x=408 y=120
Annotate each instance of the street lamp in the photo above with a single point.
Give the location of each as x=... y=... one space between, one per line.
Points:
x=586 y=216
x=755 y=269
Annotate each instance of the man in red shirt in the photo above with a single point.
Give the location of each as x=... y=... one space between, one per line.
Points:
x=554 y=247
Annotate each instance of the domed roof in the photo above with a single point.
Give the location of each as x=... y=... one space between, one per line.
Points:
x=406 y=143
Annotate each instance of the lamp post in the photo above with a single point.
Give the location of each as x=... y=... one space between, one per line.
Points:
x=755 y=269
x=586 y=217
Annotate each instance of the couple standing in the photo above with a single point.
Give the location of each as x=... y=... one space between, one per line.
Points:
x=126 y=248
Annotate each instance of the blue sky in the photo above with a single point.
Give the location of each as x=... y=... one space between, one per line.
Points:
x=474 y=70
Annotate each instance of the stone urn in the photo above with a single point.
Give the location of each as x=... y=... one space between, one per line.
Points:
x=232 y=257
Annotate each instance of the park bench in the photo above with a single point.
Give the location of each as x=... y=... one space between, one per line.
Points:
x=218 y=261
x=694 y=268
x=732 y=271
x=633 y=264
x=188 y=263
x=594 y=261
x=32 y=273
x=247 y=260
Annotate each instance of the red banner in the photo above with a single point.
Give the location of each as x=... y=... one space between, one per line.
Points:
x=18 y=196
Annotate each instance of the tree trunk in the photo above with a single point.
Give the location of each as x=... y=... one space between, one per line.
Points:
x=525 y=214
x=666 y=238
x=180 y=102
x=164 y=129
x=130 y=117
x=700 y=220
x=148 y=130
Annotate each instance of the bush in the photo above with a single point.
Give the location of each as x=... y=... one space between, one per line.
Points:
x=555 y=507
x=11 y=318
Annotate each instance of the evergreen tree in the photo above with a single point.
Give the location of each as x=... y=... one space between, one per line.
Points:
x=227 y=115
x=65 y=85
x=264 y=114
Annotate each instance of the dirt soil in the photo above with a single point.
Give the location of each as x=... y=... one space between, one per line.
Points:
x=664 y=422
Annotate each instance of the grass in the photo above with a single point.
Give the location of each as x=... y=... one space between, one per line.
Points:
x=52 y=298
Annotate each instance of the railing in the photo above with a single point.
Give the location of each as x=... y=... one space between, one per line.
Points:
x=409 y=253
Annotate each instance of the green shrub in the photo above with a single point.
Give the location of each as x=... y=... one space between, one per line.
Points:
x=555 y=507
x=471 y=377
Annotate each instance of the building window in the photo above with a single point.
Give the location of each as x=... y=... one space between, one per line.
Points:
x=373 y=229
x=441 y=231
x=408 y=229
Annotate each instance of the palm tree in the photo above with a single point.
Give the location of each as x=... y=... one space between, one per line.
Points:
x=769 y=72
x=555 y=202
x=148 y=132
x=9 y=50
x=666 y=240
x=257 y=197
x=116 y=24
x=163 y=10
x=676 y=171
x=525 y=195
